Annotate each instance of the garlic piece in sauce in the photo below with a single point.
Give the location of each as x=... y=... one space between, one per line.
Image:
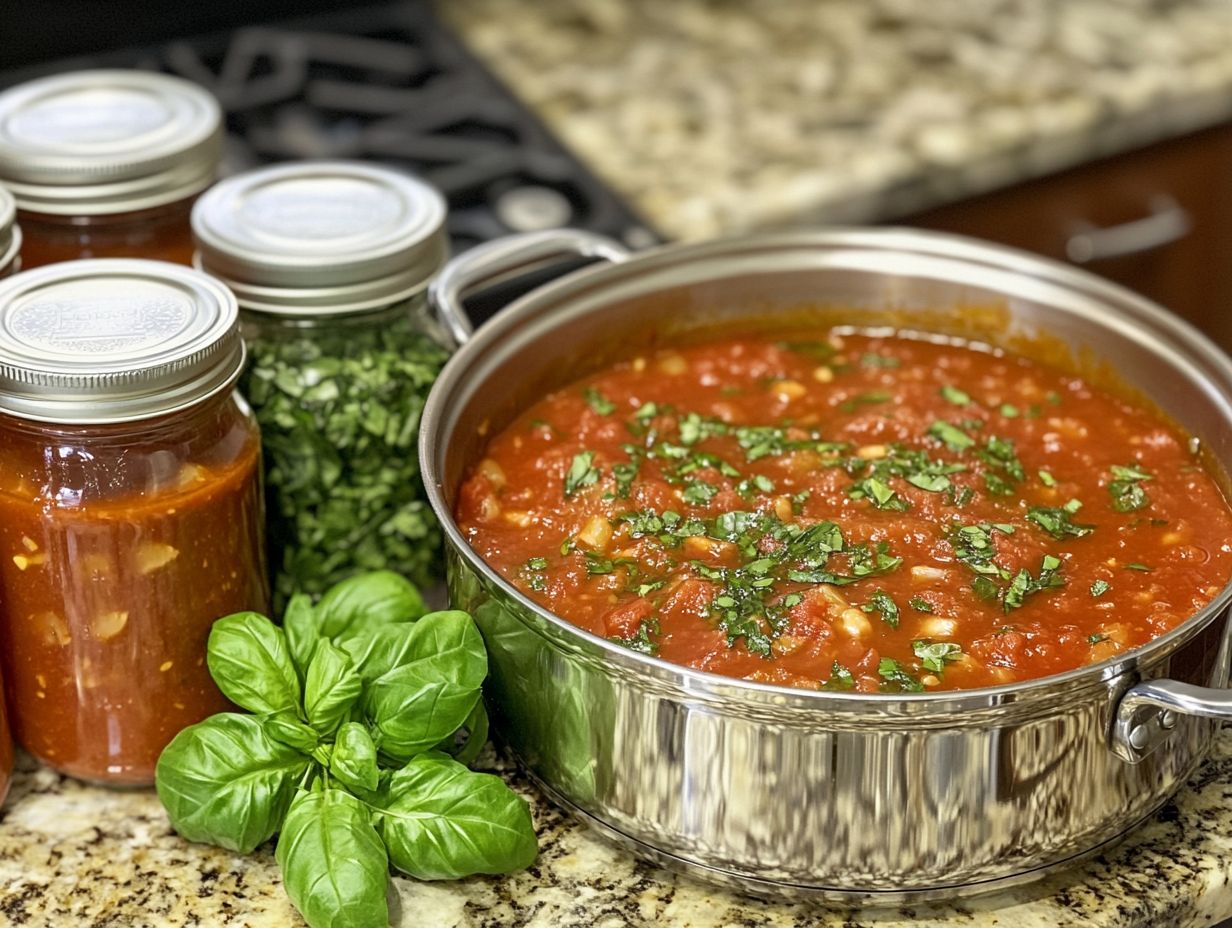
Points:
x=154 y=555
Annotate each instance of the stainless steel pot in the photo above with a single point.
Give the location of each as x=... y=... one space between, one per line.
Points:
x=785 y=792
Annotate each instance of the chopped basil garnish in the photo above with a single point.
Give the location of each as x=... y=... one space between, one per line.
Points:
x=954 y=437
x=882 y=603
x=1024 y=584
x=879 y=494
x=1100 y=587
x=955 y=396
x=698 y=492
x=641 y=640
x=1126 y=488
x=1139 y=567
x=598 y=565
x=760 y=441
x=581 y=473
x=973 y=546
x=1057 y=521
x=1047 y=479
x=821 y=350
x=871 y=398
x=532 y=573
x=625 y=473
x=920 y=605
x=873 y=359
x=757 y=483
x=598 y=402
x=999 y=453
x=914 y=466
x=935 y=655
x=840 y=678
x=895 y=679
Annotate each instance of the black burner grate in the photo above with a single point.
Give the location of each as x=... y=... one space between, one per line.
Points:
x=388 y=84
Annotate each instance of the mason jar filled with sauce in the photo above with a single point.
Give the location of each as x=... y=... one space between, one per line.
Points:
x=107 y=163
x=330 y=262
x=6 y=749
x=10 y=234
x=130 y=507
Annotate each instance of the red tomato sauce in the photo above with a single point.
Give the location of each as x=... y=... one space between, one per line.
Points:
x=882 y=513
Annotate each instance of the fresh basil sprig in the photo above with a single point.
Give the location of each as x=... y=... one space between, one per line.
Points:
x=358 y=703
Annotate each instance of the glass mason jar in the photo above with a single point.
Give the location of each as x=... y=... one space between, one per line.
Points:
x=108 y=164
x=330 y=262
x=130 y=507
x=6 y=749
x=10 y=235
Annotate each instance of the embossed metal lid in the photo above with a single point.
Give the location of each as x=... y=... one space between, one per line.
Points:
x=321 y=238
x=114 y=339
x=10 y=234
x=98 y=142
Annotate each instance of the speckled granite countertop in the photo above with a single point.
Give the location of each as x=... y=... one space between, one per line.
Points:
x=80 y=856
x=718 y=116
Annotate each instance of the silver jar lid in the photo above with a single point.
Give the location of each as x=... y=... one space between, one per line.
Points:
x=113 y=340
x=10 y=234
x=92 y=143
x=321 y=238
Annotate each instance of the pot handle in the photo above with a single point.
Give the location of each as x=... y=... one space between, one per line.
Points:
x=1148 y=712
x=505 y=259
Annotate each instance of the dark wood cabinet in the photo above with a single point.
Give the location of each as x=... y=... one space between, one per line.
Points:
x=1158 y=220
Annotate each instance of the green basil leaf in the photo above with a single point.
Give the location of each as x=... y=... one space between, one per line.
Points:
x=300 y=625
x=286 y=728
x=380 y=650
x=224 y=781
x=441 y=821
x=334 y=865
x=360 y=604
x=248 y=659
x=466 y=743
x=354 y=759
x=419 y=703
x=331 y=687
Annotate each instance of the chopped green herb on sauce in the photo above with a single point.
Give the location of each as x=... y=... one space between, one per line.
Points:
x=955 y=438
x=895 y=679
x=642 y=639
x=954 y=395
x=875 y=359
x=840 y=678
x=581 y=473
x=1126 y=488
x=935 y=655
x=1058 y=521
x=883 y=604
x=598 y=402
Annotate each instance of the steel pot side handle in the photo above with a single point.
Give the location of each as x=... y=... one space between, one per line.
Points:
x=505 y=259
x=1149 y=710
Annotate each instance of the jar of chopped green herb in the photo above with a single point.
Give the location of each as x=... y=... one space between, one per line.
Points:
x=330 y=262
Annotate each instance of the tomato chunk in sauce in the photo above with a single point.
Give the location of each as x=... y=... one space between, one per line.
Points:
x=879 y=513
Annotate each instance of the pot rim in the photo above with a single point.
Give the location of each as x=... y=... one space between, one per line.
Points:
x=1195 y=347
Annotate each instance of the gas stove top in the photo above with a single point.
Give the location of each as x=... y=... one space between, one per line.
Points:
x=388 y=83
